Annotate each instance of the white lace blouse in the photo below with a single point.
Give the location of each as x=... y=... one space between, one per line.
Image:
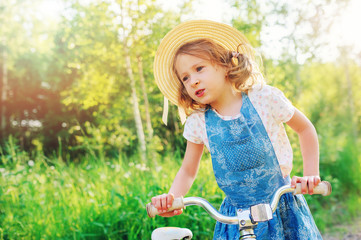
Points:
x=273 y=108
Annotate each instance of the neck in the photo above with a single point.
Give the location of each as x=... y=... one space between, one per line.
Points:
x=230 y=105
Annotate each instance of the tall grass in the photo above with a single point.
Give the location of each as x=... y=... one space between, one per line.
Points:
x=42 y=198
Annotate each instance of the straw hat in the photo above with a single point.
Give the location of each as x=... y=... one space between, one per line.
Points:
x=225 y=35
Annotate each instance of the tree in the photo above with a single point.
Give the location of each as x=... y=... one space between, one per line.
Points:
x=145 y=97
x=101 y=57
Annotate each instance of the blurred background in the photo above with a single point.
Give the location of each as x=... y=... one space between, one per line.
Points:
x=82 y=144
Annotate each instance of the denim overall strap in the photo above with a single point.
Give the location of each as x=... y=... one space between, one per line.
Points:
x=244 y=162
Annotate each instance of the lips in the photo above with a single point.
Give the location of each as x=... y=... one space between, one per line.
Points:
x=200 y=92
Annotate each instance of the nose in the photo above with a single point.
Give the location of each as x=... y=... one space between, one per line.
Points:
x=195 y=82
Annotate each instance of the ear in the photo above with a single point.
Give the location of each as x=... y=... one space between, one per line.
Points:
x=225 y=70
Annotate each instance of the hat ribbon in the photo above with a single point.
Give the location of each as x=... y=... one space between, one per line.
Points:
x=182 y=114
x=235 y=54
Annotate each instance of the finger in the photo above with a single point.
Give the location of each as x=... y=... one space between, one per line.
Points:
x=317 y=180
x=167 y=214
x=178 y=212
x=154 y=201
x=304 y=185
x=310 y=183
x=172 y=213
x=164 y=203
x=294 y=181
x=170 y=198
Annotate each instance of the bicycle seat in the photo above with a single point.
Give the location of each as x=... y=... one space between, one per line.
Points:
x=172 y=233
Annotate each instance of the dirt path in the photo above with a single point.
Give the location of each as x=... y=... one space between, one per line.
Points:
x=345 y=232
x=348 y=236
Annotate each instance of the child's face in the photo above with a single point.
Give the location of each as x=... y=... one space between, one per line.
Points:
x=205 y=83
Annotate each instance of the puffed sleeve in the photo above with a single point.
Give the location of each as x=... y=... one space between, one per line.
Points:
x=281 y=108
x=193 y=130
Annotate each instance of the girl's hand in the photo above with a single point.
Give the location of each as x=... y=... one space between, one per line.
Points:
x=308 y=183
x=163 y=202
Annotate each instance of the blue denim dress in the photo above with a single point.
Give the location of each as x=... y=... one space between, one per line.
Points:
x=247 y=170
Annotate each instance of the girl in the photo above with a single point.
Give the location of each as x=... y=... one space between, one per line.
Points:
x=208 y=70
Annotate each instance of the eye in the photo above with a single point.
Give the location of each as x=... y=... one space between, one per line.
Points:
x=199 y=68
x=185 y=78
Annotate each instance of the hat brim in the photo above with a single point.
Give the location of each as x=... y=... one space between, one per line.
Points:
x=225 y=35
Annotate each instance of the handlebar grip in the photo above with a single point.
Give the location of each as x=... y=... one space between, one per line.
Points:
x=177 y=204
x=324 y=188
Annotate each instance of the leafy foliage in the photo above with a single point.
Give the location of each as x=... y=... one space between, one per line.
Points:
x=70 y=148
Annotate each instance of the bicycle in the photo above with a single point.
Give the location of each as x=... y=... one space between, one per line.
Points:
x=247 y=220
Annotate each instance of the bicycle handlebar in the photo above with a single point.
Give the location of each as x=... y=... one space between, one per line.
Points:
x=257 y=212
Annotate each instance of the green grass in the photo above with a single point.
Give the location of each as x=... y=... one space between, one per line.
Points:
x=48 y=199
x=43 y=198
